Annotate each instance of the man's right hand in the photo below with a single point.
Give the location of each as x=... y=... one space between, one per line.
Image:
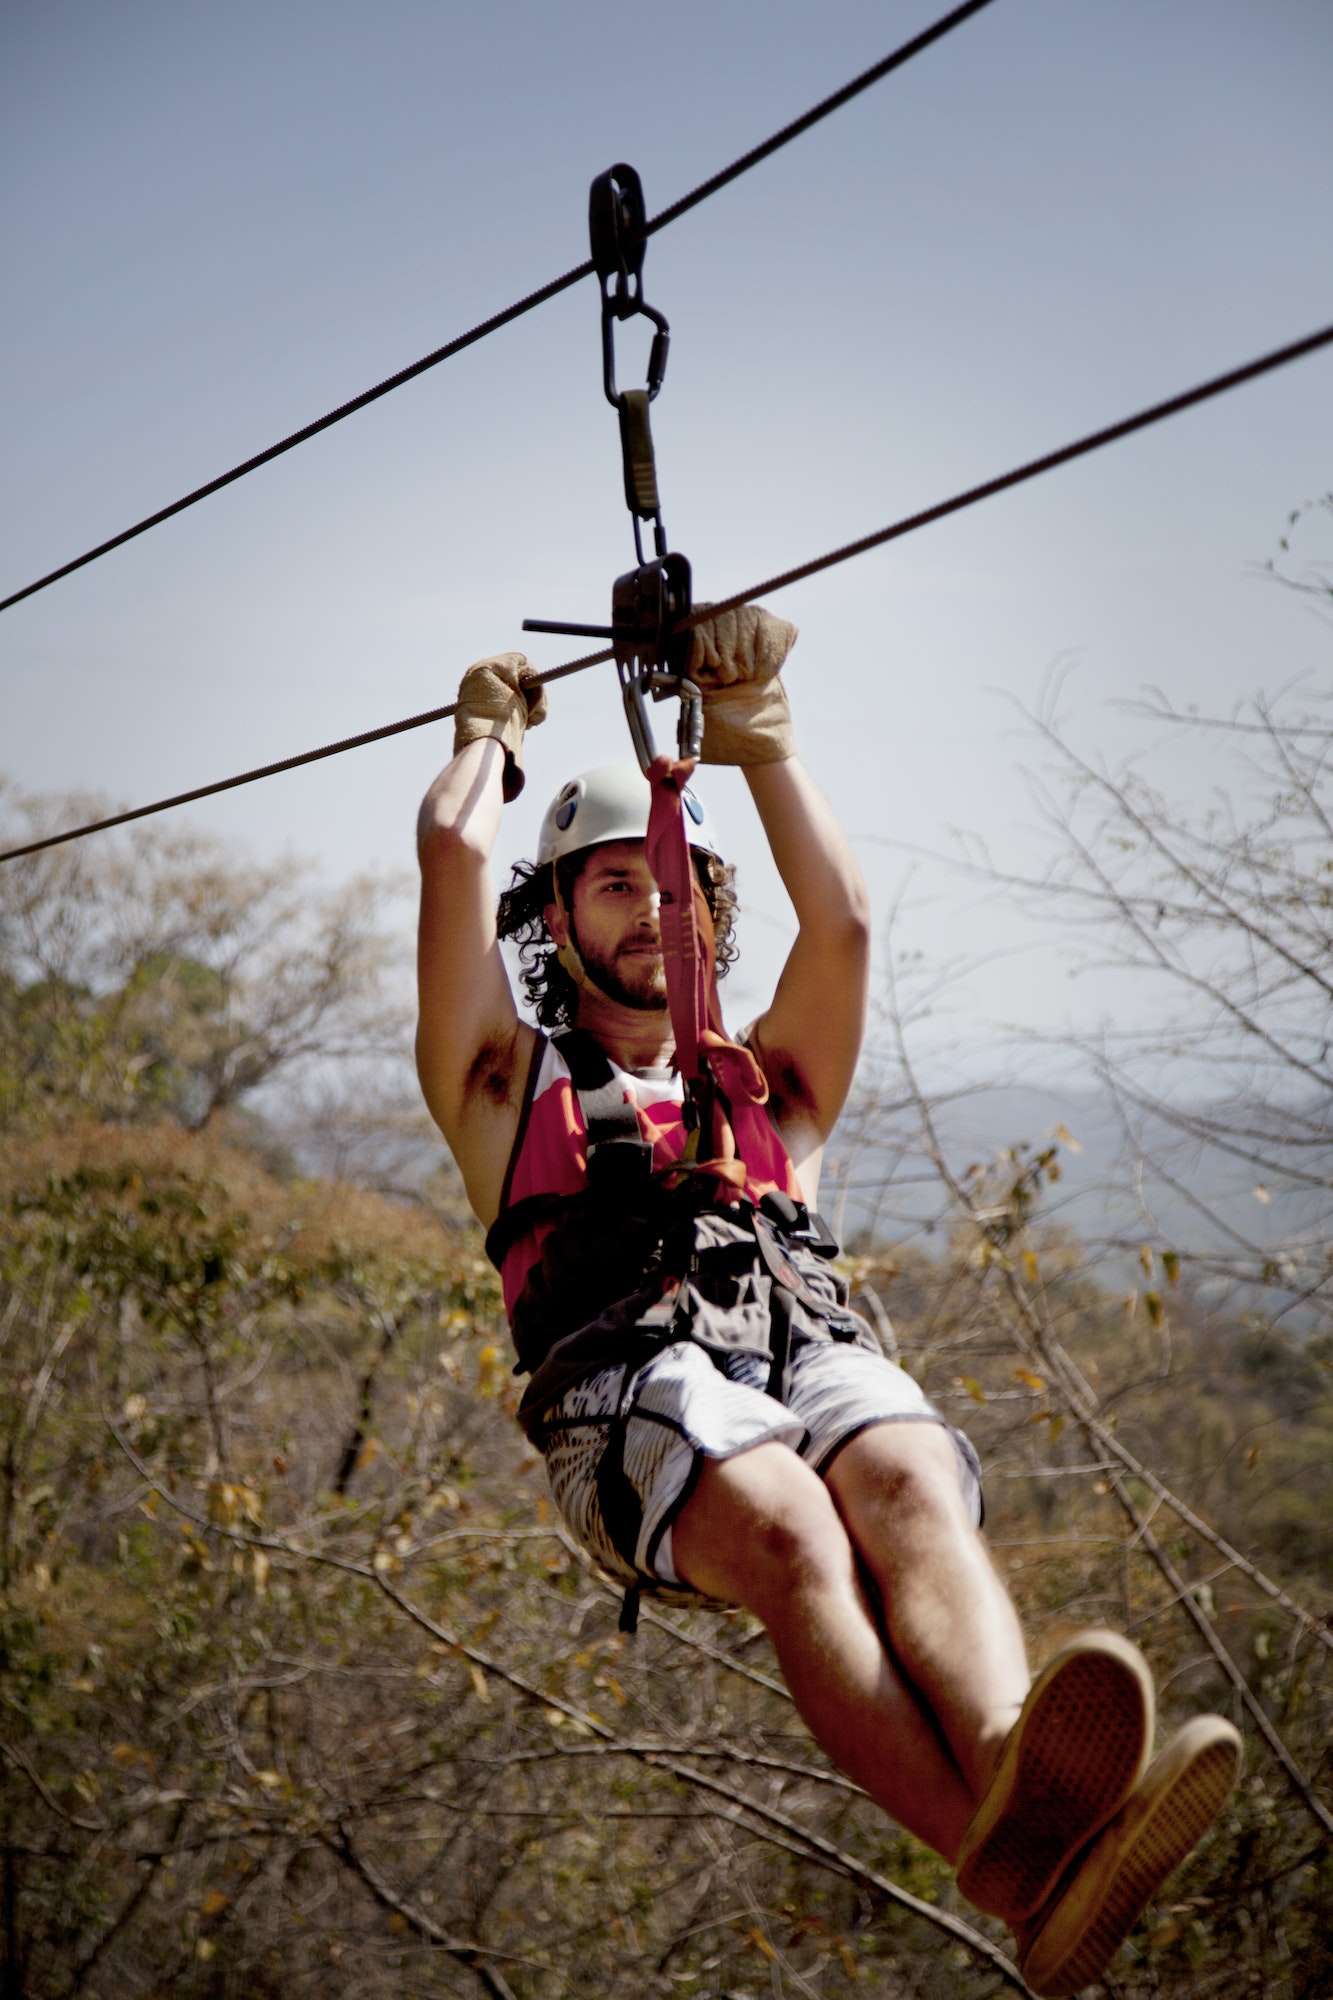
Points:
x=500 y=697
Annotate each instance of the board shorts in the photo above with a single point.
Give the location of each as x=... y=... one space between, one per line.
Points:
x=686 y=1405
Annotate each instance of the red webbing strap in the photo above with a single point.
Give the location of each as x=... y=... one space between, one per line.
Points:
x=686 y=957
x=703 y=1053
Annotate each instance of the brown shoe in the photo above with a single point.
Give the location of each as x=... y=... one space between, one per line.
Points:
x=1069 y=1763
x=1097 y=1904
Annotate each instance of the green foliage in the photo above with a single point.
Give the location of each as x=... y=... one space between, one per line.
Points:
x=155 y=975
x=257 y=1732
x=304 y=1688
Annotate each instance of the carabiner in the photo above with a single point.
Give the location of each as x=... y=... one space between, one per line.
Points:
x=634 y=679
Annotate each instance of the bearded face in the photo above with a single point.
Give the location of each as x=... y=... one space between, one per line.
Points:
x=615 y=927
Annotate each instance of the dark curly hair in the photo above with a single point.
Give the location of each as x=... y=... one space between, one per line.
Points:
x=551 y=991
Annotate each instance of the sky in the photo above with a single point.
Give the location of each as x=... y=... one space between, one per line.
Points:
x=217 y=222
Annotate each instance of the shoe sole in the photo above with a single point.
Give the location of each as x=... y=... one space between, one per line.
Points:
x=1073 y=1757
x=1183 y=1793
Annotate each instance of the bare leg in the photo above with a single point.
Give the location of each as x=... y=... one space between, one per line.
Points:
x=761 y=1530
x=949 y=1618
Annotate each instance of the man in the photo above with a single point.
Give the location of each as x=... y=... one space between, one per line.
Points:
x=713 y=1418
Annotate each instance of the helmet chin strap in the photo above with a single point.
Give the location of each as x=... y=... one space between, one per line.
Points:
x=567 y=955
x=568 y=959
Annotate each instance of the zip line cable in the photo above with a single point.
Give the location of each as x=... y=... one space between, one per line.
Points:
x=283 y=764
x=705 y=189
x=1216 y=386
x=1032 y=469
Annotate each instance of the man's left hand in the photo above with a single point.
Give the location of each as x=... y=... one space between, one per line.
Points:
x=735 y=660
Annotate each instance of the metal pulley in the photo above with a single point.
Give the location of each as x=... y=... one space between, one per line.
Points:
x=647 y=603
x=651 y=653
x=617 y=229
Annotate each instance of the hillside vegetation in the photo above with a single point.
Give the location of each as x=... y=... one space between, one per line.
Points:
x=303 y=1690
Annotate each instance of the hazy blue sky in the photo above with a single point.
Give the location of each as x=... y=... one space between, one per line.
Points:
x=217 y=221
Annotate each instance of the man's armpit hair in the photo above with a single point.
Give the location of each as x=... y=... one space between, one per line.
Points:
x=551 y=992
x=491 y=1071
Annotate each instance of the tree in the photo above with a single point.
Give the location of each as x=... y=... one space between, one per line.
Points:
x=1159 y=1392
x=1223 y=917
x=303 y=1687
x=156 y=973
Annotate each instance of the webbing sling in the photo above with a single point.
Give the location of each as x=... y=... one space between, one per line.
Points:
x=717 y=1071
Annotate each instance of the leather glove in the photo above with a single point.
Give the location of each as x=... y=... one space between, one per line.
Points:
x=500 y=697
x=735 y=660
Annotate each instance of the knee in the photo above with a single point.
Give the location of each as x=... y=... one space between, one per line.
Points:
x=909 y=1470
x=798 y=1540
x=768 y=1520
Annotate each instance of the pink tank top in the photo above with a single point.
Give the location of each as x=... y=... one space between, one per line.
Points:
x=550 y=1149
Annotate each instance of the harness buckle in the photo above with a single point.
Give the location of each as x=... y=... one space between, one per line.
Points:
x=800 y=1224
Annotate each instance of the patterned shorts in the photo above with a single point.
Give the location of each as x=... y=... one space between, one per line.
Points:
x=683 y=1406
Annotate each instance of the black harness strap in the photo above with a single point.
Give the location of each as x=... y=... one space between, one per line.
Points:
x=607 y=1108
x=619 y=1157
x=618 y=1154
x=779 y=1337
x=521 y=1216
x=525 y=1113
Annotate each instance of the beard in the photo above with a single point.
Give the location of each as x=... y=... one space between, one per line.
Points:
x=634 y=979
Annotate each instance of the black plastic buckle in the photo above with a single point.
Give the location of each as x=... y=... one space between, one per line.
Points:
x=620 y=1165
x=799 y=1224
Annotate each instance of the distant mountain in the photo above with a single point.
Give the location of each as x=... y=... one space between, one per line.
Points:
x=880 y=1180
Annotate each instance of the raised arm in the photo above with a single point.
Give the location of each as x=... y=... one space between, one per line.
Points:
x=809 y=1039
x=472 y=1048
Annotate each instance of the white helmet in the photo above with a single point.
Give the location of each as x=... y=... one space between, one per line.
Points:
x=610 y=803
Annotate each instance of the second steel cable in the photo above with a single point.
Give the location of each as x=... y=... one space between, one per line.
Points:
x=1216 y=385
